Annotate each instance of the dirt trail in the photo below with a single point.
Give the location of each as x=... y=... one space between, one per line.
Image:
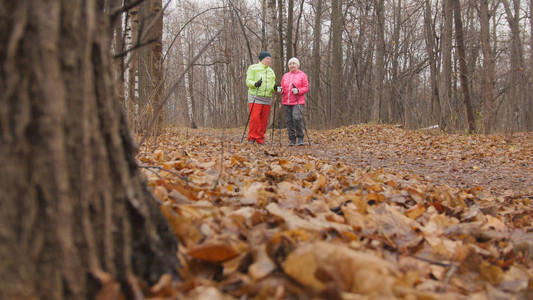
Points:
x=501 y=164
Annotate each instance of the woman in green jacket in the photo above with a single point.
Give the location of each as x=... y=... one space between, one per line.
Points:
x=261 y=82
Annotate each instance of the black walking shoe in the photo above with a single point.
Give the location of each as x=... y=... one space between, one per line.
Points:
x=293 y=143
x=301 y=142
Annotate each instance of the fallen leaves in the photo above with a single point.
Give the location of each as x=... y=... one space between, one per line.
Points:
x=281 y=223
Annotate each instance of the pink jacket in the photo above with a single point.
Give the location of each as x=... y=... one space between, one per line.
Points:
x=299 y=79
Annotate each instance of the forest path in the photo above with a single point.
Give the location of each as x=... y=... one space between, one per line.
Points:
x=499 y=163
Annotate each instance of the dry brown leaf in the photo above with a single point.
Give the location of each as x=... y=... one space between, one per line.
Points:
x=320 y=183
x=213 y=251
x=163 y=287
x=185 y=228
x=262 y=265
x=415 y=211
x=495 y=223
x=158 y=155
x=490 y=273
x=161 y=192
x=319 y=263
x=110 y=288
x=257 y=194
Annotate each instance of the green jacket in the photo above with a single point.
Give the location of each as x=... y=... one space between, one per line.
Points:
x=256 y=72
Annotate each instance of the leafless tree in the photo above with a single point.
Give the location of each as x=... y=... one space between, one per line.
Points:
x=488 y=67
x=463 y=71
x=337 y=62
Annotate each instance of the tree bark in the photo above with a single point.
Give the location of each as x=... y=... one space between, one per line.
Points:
x=446 y=76
x=73 y=202
x=463 y=70
x=281 y=44
x=430 y=47
x=290 y=26
x=380 y=59
x=336 y=75
x=264 y=37
x=132 y=67
x=151 y=60
x=273 y=38
x=316 y=59
x=395 y=84
x=517 y=86
x=489 y=113
x=118 y=47
x=530 y=98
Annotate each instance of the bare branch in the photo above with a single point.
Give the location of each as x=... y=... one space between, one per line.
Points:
x=174 y=87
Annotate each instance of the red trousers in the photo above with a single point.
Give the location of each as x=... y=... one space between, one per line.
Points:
x=258 y=122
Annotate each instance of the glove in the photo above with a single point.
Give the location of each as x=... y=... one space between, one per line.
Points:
x=278 y=88
x=258 y=83
x=295 y=91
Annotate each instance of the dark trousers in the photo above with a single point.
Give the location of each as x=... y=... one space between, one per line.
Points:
x=294 y=121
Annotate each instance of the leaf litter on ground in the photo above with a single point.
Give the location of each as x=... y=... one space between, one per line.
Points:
x=365 y=212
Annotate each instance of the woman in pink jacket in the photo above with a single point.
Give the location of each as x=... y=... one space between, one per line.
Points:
x=294 y=85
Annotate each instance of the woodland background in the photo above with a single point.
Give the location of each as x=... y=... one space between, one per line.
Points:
x=462 y=65
x=77 y=220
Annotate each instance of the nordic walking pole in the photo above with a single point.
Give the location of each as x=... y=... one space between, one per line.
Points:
x=273 y=121
x=279 y=122
x=301 y=113
x=250 y=112
x=276 y=103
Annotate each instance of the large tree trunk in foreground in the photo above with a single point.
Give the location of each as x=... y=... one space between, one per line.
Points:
x=73 y=202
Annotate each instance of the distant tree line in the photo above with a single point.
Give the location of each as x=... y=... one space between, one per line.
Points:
x=462 y=65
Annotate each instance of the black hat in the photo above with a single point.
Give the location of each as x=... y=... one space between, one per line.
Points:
x=264 y=54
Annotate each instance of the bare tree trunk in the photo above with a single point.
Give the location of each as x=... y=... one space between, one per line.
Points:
x=517 y=81
x=156 y=60
x=73 y=202
x=118 y=47
x=336 y=76
x=380 y=59
x=281 y=45
x=264 y=44
x=290 y=21
x=150 y=69
x=132 y=67
x=396 y=53
x=489 y=112
x=273 y=38
x=530 y=98
x=183 y=61
x=446 y=76
x=463 y=71
x=316 y=59
x=430 y=47
x=297 y=32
